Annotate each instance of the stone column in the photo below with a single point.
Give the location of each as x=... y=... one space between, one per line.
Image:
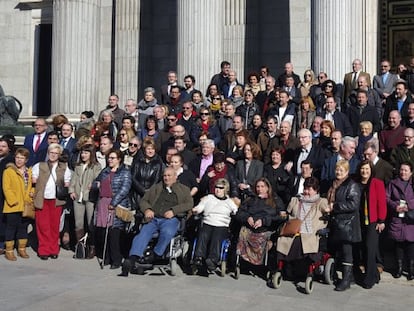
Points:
x=75 y=56
x=235 y=35
x=127 y=49
x=200 y=39
x=343 y=31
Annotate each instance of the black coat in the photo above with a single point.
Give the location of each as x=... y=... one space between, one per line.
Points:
x=345 y=220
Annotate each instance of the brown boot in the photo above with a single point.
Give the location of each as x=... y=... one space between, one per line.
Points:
x=21 y=248
x=10 y=251
x=91 y=253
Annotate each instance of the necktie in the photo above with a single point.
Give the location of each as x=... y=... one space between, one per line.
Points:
x=63 y=142
x=37 y=144
x=354 y=80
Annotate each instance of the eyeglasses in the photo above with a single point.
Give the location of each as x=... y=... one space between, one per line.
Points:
x=112 y=158
x=217 y=98
x=219 y=187
x=204 y=114
x=171 y=120
x=248 y=95
x=123 y=134
x=133 y=145
x=410 y=137
x=329 y=85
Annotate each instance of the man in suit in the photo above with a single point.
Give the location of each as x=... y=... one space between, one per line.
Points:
x=230 y=84
x=307 y=170
x=363 y=112
x=306 y=151
x=68 y=143
x=281 y=80
x=166 y=88
x=293 y=91
x=221 y=78
x=399 y=100
x=199 y=165
x=346 y=152
x=382 y=169
x=384 y=83
x=36 y=142
x=351 y=78
x=267 y=98
x=339 y=119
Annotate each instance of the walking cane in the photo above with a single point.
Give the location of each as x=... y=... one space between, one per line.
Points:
x=102 y=262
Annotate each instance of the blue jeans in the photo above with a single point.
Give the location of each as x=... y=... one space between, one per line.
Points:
x=167 y=229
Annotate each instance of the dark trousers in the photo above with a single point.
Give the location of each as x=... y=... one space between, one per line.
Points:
x=114 y=240
x=209 y=242
x=369 y=253
x=345 y=253
x=404 y=247
x=16 y=226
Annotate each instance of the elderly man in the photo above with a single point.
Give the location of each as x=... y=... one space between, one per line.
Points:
x=160 y=205
x=287 y=73
x=267 y=98
x=392 y=135
x=346 y=152
x=36 y=142
x=199 y=165
x=117 y=112
x=351 y=78
x=382 y=169
x=403 y=152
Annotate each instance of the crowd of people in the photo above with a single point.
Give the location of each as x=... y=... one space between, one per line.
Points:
x=248 y=157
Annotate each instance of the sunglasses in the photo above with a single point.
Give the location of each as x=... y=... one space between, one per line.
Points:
x=204 y=114
x=171 y=120
x=329 y=85
x=133 y=145
x=219 y=187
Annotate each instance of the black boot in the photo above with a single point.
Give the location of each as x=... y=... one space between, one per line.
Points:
x=345 y=283
x=411 y=270
x=127 y=265
x=398 y=273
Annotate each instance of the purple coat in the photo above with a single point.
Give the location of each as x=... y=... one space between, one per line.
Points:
x=401 y=229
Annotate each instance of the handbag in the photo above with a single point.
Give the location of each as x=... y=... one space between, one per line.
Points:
x=125 y=214
x=82 y=248
x=29 y=210
x=62 y=192
x=292 y=226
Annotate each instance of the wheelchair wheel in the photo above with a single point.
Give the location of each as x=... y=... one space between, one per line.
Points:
x=223 y=268
x=173 y=267
x=329 y=271
x=309 y=285
x=277 y=279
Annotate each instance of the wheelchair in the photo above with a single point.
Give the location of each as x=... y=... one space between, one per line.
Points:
x=224 y=251
x=323 y=268
x=168 y=263
x=269 y=243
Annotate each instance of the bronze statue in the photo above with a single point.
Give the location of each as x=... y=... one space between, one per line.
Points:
x=10 y=109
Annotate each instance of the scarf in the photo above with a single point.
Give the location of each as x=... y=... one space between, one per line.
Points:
x=144 y=105
x=332 y=190
x=219 y=175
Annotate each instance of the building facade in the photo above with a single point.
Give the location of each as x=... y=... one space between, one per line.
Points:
x=66 y=56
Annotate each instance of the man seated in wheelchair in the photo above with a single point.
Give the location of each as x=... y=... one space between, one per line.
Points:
x=161 y=204
x=258 y=216
x=216 y=209
x=311 y=209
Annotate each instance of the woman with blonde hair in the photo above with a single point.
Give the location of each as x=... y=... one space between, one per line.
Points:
x=18 y=191
x=305 y=114
x=308 y=80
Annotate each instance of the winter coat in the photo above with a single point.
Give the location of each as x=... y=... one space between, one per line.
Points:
x=145 y=174
x=82 y=180
x=120 y=184
x=310 y=241
x=14 y=189
x=345 y=222
x=257 y=208
x=184 y=199
x=401 y=229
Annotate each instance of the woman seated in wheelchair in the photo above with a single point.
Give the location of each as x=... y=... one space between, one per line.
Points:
x=216 y=209
x=310 y=208
x=258 y=216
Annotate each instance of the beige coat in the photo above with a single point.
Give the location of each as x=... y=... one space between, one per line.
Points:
x=310 y=241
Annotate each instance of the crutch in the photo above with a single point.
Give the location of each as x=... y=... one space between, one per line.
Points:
x=108 y=221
